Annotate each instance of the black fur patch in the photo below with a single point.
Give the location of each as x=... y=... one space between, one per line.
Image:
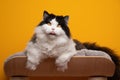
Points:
x=33 y=38
x=79 y=45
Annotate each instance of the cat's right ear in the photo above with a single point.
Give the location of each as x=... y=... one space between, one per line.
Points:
x=45 y=15
x=66 y=18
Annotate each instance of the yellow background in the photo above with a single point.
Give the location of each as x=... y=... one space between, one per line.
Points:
x=90 y=20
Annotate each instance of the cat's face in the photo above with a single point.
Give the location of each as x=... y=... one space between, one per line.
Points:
x=54 y=26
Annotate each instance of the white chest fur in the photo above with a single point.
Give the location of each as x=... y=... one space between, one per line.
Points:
x=58 y=46
x=53 y=48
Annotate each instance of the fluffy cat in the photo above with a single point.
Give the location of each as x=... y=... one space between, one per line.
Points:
x=52 y=38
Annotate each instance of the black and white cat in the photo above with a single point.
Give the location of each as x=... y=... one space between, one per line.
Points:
x=52 y=38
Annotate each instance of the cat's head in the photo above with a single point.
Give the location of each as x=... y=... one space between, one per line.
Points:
x=54 y=25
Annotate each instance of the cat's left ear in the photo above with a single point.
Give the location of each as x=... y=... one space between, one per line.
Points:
x=45 y=15
x=66 y=18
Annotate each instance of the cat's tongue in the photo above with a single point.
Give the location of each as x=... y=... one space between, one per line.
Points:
x=52 y=33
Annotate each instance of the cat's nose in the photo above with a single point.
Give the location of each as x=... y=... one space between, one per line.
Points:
x=53 y=28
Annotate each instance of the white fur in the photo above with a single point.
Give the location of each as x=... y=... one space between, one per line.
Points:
x=58 y=46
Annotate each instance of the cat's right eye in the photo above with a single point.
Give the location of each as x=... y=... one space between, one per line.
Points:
x=49 y=24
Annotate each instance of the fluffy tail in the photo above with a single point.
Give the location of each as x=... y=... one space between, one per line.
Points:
x=112 y=54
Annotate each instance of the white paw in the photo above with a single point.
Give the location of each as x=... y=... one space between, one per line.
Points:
x=31 y=66
x=61 y=64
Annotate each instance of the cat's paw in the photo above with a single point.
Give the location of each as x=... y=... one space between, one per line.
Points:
x=31 y=66
x=61 y=64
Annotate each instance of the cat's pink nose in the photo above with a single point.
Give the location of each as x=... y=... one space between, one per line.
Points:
x=53 y=29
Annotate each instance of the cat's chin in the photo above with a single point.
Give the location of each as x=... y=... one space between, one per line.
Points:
x=52 y=36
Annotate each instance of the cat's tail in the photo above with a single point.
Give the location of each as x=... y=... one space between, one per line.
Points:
x=112 y=54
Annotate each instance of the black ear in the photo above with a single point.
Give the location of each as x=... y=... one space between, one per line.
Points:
x=45 y=15
x=66 y=18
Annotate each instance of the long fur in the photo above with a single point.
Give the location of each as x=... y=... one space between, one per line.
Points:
x=111 y=53
x=52 y=38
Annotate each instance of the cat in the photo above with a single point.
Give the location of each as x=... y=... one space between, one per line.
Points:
x=52 y=38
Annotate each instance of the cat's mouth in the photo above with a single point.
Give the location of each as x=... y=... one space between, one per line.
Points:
x=52 y=33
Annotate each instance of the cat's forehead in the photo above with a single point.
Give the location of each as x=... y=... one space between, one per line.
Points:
x=54 y=21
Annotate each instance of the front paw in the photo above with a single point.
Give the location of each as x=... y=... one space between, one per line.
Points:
x=31 y=66
x=61 y=65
